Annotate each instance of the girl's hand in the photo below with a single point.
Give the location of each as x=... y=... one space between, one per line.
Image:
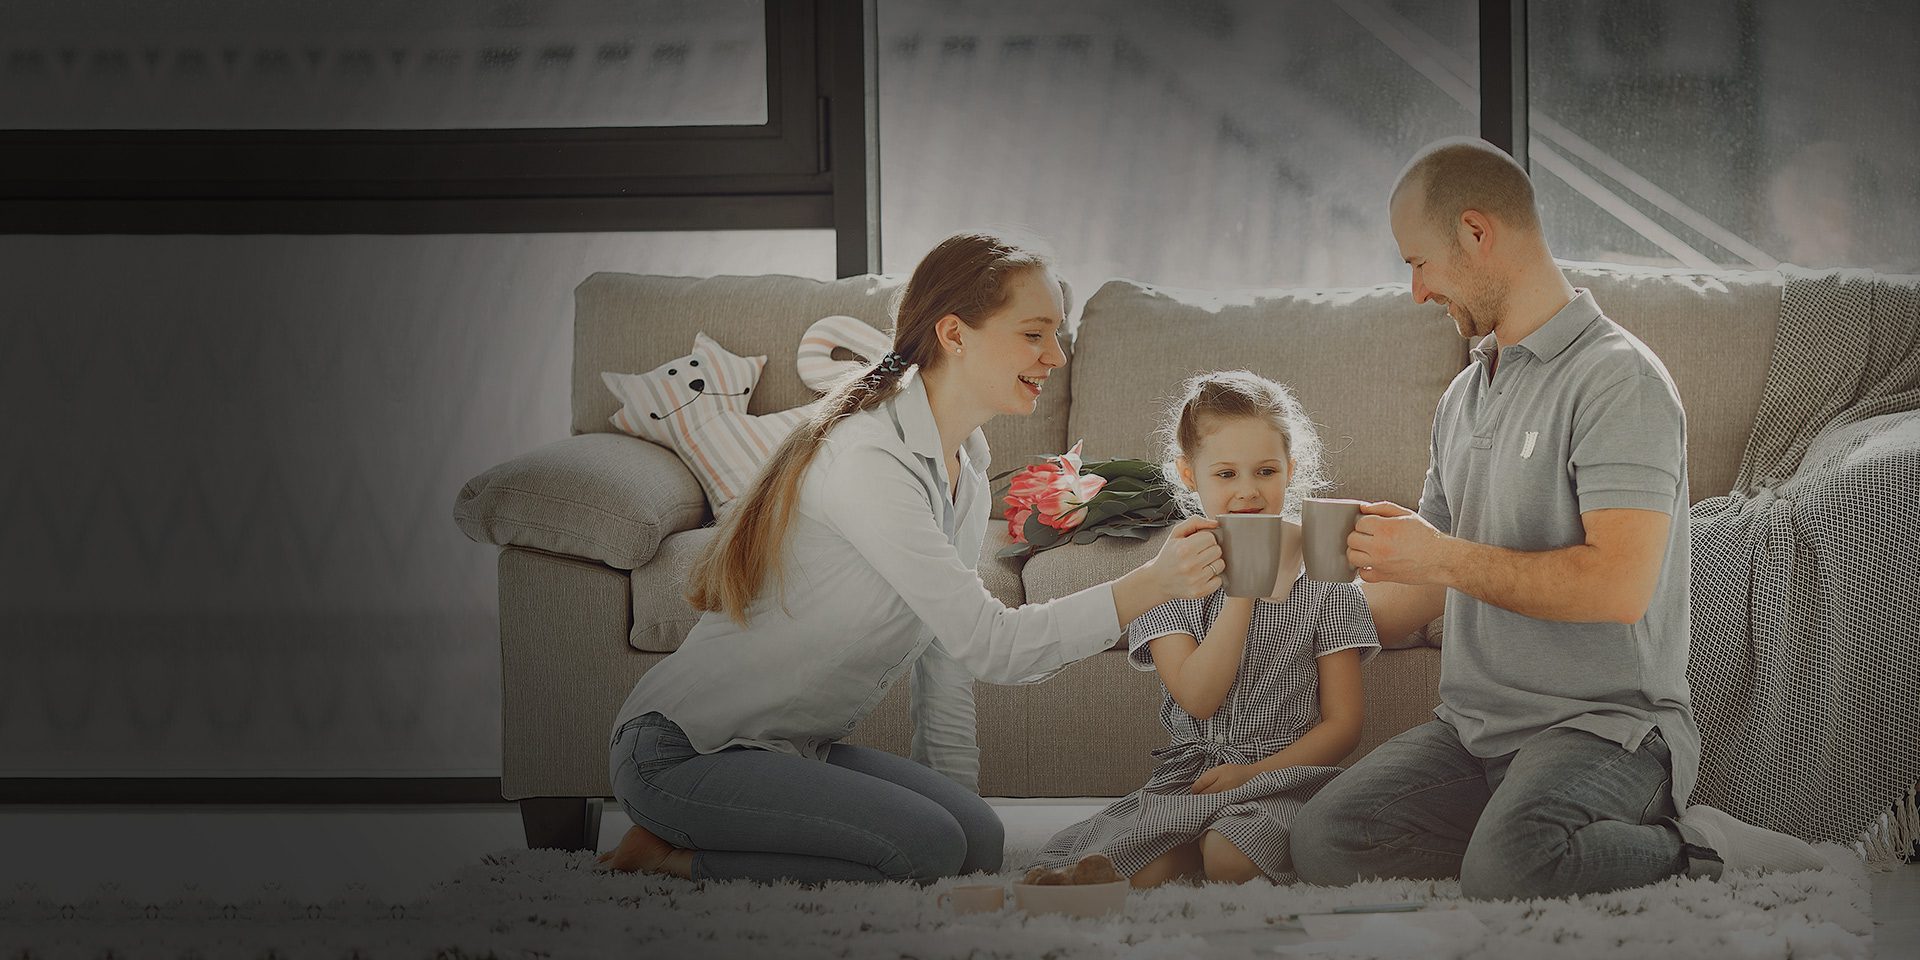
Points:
x=1189 y=565
x=1225 y=777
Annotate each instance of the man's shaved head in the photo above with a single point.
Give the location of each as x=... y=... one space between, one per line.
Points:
x=1467 y=174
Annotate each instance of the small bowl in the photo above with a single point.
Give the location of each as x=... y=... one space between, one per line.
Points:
x=1073 y=900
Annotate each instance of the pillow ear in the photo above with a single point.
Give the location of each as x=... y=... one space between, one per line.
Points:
x=818 y=368
x=729 y=378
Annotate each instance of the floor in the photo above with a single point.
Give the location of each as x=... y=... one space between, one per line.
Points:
x=399 y=851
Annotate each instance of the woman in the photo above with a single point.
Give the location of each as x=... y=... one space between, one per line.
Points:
x=849 y=563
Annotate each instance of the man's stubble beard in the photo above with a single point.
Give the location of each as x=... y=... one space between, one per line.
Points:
x=1475 y=323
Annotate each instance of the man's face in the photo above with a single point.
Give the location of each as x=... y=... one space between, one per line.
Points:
x=1444 y=271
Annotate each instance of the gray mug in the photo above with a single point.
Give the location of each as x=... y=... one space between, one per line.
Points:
x=1254 y=546
x=1325 y=524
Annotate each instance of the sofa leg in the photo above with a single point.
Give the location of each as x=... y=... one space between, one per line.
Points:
x=561 y=823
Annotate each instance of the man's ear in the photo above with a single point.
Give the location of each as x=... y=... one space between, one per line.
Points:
x=1475 y=230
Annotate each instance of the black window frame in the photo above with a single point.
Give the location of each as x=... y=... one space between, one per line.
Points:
x=806 y=167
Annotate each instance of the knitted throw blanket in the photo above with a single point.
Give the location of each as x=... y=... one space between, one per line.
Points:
x=1805 y=663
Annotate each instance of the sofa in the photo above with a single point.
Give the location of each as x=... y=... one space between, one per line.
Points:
x=597 y=530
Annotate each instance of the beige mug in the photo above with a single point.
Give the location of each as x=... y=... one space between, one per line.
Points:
x=1254 y=548
x=1325 y=524
x=973 y=898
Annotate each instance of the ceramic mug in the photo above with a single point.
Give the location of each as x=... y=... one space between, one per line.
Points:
x=1325 y=524
x=1254 y=547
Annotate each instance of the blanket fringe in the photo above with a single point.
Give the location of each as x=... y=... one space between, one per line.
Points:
x=1892 y=836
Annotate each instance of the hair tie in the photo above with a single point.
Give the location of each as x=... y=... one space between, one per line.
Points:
x=892 y=363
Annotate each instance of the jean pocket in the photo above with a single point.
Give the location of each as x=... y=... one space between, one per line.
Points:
x=659 y=744
x=1654 y=740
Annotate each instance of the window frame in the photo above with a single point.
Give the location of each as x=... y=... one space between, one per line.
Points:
x=776 y=175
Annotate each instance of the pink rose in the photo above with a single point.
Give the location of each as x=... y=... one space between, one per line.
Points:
x=1055 y=489
x=1017 y=519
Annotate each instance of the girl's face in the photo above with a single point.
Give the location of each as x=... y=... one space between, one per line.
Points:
x=1241 y=466
x=1006 y=360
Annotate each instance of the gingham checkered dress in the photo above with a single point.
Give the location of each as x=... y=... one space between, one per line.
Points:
x=1274 y=699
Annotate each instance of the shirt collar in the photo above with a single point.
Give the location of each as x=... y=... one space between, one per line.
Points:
x=922 y=434
x=1554 y=336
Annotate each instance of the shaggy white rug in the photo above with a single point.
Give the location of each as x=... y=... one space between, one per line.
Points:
x=532 y=904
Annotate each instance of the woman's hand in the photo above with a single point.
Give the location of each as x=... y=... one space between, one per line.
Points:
x=1225 y=777
x=1189 y=564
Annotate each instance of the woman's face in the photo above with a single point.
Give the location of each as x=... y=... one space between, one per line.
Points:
x=1005 y=361
x=1241 y=466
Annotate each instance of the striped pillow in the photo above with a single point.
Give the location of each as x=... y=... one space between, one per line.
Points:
x=697 y=406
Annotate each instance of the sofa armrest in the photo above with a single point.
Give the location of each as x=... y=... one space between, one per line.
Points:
x=598 y=496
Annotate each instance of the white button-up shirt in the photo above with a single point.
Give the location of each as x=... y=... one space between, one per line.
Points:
x=878 y=570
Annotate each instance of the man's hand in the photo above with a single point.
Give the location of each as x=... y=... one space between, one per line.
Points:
x=1225 y=777
x=1394 y=544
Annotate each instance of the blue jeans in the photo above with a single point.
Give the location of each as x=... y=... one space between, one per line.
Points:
x=1568 y=813
x=753 y=814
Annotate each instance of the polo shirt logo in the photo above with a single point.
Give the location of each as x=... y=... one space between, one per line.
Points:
x=1526 y=449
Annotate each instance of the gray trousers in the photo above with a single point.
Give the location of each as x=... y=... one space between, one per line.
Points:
x=752 y=814
x=1568 y=813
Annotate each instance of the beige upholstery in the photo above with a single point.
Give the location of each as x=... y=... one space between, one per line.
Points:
x=605 y=497
x=631 y=324
x=1368 y=365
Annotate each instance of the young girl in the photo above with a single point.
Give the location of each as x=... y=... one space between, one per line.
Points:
x=1262 y=696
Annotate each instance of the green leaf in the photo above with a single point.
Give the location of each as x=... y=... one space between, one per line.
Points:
x=1125 y=533
x=1014 y=550
x=1039 y=534
x=1101 y=512
x=1124 y=467
x=1084 y=535
x=1128 y=485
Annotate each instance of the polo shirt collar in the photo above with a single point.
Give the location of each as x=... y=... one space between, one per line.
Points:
x=1554 y=336
x=922 y=434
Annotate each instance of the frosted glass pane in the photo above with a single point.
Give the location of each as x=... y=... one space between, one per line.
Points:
x=1732 y=132
x=373 y=64
x=1238 y=143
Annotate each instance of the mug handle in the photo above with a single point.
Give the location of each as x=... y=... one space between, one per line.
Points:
x=941 y=901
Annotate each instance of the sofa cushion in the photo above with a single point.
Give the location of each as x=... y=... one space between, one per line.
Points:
x=605 y=497
x=1368 y=365
x=629 y=323
x=1714 y=331
x=696 y=405
x=1073 y=567
x=662 y=619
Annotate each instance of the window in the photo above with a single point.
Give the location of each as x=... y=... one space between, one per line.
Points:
x=1243 y=143
x=1729 y=132
x=364 y=64
x=515 y=117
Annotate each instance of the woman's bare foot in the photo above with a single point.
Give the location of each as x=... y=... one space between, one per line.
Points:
x=641 y=849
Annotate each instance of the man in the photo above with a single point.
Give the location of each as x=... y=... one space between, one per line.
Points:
x=1552 y=531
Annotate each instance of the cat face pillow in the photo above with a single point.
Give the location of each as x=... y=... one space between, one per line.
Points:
x=697 y=406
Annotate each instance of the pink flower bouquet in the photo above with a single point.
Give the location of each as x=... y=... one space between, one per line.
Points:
x=1062 y=499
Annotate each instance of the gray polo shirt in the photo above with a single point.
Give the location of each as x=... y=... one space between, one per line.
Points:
x=1577 y=416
